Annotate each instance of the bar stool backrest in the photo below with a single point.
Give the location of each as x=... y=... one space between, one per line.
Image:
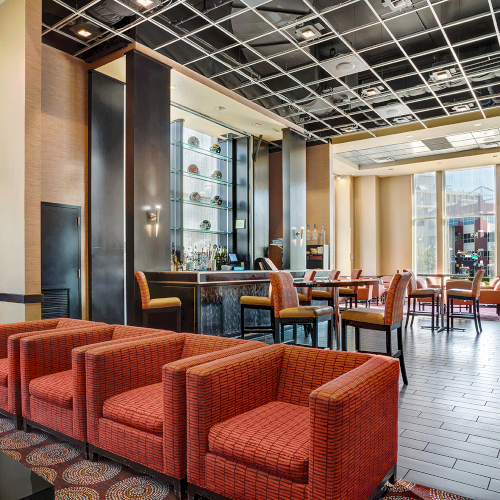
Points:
x=284 y=293
x=396 y=299
x=476 y=284
x=334 y=275
x=143 y=286
x=412 y=284
x=307 y=290
x=355 y=275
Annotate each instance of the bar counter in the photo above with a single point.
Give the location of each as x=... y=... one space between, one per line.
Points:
x=211 y=299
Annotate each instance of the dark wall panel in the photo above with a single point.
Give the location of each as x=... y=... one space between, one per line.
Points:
x=147 y=169
x=241 y=197
x=106 y=200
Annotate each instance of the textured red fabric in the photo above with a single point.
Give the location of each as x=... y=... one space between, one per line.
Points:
x=354 y=431
x=273 y=438
x=144 y=288
x=52 y=416
x=140 y=408
x=334 y=275
x=237 y=481
x=284 y=293
x=307 y=290
x=4 y=371
x=56 y=388
x=395 y=299
x=194 y=345
x=4 y=397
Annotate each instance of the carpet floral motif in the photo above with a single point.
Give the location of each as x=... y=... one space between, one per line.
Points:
x=77 y=479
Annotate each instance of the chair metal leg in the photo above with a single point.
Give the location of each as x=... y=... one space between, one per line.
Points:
x=401 y=357
x=343 y=328
x=448 y=314
x=478 y=315
x=432 y=313
x=178 y=319
x=474 y=308
x=356 y=338
x=452 y=311
x=408 y=313
x=414 y=309
x=277 y=330
x=295 y=333
x=388 y=345
x=330 y=334
x=315 y=333
x=145 y=318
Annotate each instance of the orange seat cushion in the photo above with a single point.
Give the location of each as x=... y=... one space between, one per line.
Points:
x=273 y=438
x=140 y=408
x=56 y=388
x=4 y=370
x=321 y=294
x=164 y=302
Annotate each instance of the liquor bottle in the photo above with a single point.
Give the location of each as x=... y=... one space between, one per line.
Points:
x=308 y=235
x=315 y=236
x=322 y=236
x=172 y=259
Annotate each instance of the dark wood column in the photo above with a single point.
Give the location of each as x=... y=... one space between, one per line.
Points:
x=147 y=171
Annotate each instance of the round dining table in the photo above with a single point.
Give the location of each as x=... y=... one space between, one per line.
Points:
x=336 y=284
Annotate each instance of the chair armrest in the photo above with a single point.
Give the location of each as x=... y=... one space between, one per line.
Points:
x=489 y=297
x=354 y=431
x=79 y=380
x=9 y=329
x=48 y=353
x=118 y=368
x=174 y=404
x=223 y=389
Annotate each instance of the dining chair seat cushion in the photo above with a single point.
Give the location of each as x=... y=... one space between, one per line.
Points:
x=347 y=291
x=306 y=312
x=457 y=292
x=321 y=294
x=424 y=291
x=56 y=388
x=364 y=315
x=303 y=298
x=252 y=300
x=273 y=438
x=4 y=371
x=164 y=302
x=140 y=408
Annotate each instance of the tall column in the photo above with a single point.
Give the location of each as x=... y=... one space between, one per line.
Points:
x=497 y=217
x=344 y=219
x=441 y=251
x=20 y=146
x=261 y=201
x=294 y=200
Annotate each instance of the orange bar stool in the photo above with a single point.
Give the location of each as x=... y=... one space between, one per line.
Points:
x=305 y=294
x=421 y=295
x=391 y=319
x=161 y=305
x=257 y=303
x=328 y=293
x=468 y=296
x=287 y=310
x=351 y=293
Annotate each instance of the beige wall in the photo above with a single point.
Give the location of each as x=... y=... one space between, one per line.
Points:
x=367 y=224
x=64 y=139
x=20 y=39
x=395 y=224
x=344 y=220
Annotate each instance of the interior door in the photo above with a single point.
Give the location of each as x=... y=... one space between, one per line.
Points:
x=61 y=261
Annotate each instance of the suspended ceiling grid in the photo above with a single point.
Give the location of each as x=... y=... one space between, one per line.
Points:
x=368 y=65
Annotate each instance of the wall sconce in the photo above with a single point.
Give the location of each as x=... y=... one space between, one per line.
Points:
x=297 y=234
x=155 y=217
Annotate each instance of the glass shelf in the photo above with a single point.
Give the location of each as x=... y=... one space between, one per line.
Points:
x=206 y=178
x=202 y=151
x=209 y=231
x=173 y=227
x=209 y=205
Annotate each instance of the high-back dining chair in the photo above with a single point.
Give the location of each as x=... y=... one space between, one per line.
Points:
x=161 y=305
x=419 y=295
x=388 y=320
x=305 y=294
x=351 y=293
x=328 y=293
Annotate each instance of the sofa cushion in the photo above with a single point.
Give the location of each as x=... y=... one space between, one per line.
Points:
x=273 y=438
x=56 y=388
x=140 y=408
x=4 y=370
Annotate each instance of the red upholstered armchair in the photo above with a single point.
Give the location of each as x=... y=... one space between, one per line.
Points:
x=10 y=376
x=136 y=399
x=53 y=376
x=287 y=422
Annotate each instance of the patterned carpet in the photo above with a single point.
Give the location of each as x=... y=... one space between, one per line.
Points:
x=77 y=479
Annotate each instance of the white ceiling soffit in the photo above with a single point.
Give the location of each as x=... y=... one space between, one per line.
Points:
x=208 y=101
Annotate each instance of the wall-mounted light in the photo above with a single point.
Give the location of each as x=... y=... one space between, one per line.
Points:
x=154 y=217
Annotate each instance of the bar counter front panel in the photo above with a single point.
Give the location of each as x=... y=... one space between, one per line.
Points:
x=211 y=300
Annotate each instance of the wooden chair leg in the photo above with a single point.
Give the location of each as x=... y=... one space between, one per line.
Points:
x=414 y=310
x=388 y=345
x=145 y=318
x=356 y=301
x=343 y=328
x=356 y=338
x=401 y=357
x=408 y=313
x=178 y=320
x=448 y=301
x=242 y=321
x=282 y=332
x=474 y=309
x=315 y=333
x=277 y=330
x=478 y=316
x=432 y=313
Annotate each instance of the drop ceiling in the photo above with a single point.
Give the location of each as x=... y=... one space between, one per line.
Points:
x=332 y=67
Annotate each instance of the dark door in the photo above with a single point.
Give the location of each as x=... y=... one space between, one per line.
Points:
x=61 y=282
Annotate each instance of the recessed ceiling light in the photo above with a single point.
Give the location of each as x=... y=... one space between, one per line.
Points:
x=402 y=119
x=391 y=169
x=145 y=3
x=383 y=159
x=443 y=74
x=495 y=156
x=349 y=129
x=463 y=108
x=487 y=145
x=173 y=87
x=477 y=124
x=409 y=135
x=396 y=4
x=309 y=32
x=85 y=30
x=256 y=124
x=220 y=108
x=372 y=91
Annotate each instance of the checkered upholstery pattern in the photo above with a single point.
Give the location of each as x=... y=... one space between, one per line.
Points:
x=284 y=293
x=242 y=411
x=144 y=288
x=307 y=290
x=355 y=275
x=53 y=373
x=395 y=300
x=334 y=275
x=138 y=386
x=476 y=284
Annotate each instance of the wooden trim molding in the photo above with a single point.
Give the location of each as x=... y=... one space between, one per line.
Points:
x=19 y=298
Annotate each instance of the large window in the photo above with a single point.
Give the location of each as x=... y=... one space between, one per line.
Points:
x=469 y=230
x=424 y=223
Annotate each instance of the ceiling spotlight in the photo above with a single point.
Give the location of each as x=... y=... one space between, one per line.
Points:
x=397 y=4
x=372 y=91
x=256 y=124
x=383 y=159
x=173 y=87
x=495 y=156
x=220 y=108
x=391 y=169
x=463 y=108
x=477 y=124
x=145 y=3
x=85 y=30
x=409 y=135
x=444 y=74
x=402 y=119
x=310 y=31
x=488 y=145
x=349 y=129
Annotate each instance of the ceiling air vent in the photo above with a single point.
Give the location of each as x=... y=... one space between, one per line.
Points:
x=402 y=119
x=396 y=4
x=344 y=65
x=383 y=159
x=463 y=108
x=393 y=110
